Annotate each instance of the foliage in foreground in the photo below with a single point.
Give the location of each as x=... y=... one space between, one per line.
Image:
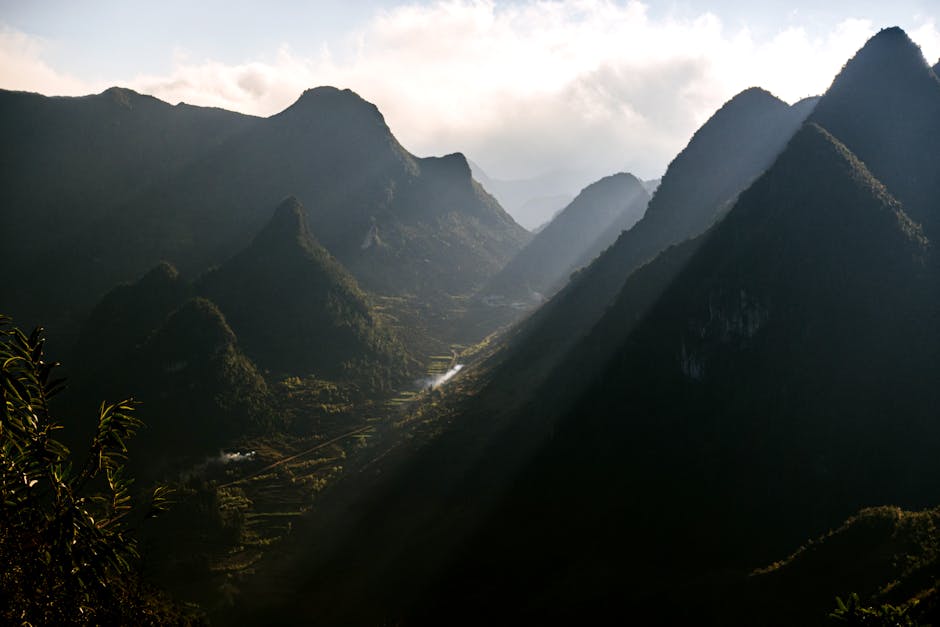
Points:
x=853 y=612
x=66 y=547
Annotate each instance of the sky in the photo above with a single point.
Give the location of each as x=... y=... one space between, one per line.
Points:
x=522 y=87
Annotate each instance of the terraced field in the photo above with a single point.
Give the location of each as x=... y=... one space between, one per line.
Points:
x=256 y=501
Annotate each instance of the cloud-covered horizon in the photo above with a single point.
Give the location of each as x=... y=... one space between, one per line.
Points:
x=522 y=89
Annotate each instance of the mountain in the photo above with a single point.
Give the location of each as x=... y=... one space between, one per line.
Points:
x=198 y=390
x=885 y=106
x=568 y=498
x=180 y=359
x=884 y=555
x=723 y=157
x=66 y=161
x=123 y=320
x=65 y=164
x=936 y=68
x=401 y=224
x=591 y=223
x=297 y=310
x=782 y=380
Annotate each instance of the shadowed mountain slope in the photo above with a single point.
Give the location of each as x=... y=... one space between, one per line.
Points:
x=781 y=381
x=400 y=224
x=723 y=157
x=587 y=226
x=123 y=320
x=198 y=389
x=296 y=309
x=885 y=107
x=66 y=162
x=778 y=380
x=885 y=555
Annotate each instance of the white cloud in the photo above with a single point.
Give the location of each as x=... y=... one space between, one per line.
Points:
x=523 y=87
x=928 y=37
x=22 y=67
x=259 y=87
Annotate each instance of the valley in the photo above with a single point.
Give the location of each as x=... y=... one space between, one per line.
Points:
x=312 y=378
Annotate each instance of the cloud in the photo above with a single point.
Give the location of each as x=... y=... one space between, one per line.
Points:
x=22 y=67
x=928 y=37
x=522 y=87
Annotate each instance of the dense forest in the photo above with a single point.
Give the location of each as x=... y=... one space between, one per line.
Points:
x=312 y=378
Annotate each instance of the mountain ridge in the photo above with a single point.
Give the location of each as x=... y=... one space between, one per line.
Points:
x=297 y=310
x=438 y=231
x=884 y=106
x=666 y=423
x=583 y=229
x=696 y=190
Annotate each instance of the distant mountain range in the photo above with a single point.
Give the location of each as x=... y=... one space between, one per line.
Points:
x=148 y=182
x=581 y=231
x=749 y=365
x=533 y=202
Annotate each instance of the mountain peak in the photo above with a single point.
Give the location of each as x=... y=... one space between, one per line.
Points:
x=884 y=106
x=755 y=92
x=197 y=324
x=453 y=167
x=811 y=139
x=752 y=96
x=890 y=57
x=895 y=41
x=332 y=101
x=121 y=96
x=287 y=225
x=575 y=236
x=891 y=34
x=613 y=181
x=327 y=92
x=849 y=195
x=290 y=209
x=753 y=102
x=294 y=308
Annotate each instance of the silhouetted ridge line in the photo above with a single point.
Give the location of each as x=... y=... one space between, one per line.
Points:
x=885 y=107
x=327 y=100
x=575 y=236
x=788 y=336
x=735 y=145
